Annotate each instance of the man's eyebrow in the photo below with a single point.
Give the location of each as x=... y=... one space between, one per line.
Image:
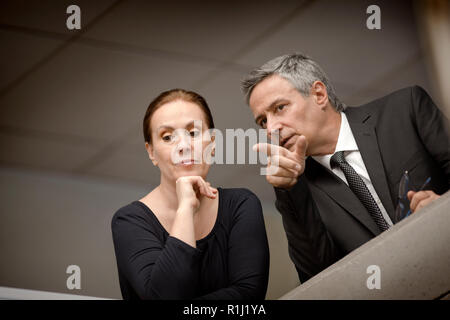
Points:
x=272 y=105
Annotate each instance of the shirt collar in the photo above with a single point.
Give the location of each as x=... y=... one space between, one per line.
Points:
x=345 y=142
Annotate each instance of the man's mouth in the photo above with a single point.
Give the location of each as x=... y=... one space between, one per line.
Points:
x=288 y=141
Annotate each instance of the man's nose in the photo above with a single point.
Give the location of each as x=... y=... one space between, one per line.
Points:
x=273 y=128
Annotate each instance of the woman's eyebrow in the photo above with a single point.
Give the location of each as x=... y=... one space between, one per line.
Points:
x=188 y=124
x=164 y=127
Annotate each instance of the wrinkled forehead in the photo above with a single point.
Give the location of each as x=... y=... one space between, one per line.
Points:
x=268 y=91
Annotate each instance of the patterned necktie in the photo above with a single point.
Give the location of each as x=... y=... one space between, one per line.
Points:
x=359 y=188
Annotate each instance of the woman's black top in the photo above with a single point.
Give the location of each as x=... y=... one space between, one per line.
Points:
x=231 y=262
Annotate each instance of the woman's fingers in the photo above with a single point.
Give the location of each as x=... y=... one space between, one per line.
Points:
x=198 y=185
x=214 y=190
x=205 y=188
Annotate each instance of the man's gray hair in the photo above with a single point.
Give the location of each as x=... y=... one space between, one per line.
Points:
x=300 y=70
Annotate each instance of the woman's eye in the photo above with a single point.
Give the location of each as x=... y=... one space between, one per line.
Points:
x=281 y=107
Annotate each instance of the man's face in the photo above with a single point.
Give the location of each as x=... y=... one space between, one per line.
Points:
x=277 y=105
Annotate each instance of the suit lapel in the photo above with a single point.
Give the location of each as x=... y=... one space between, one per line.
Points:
x=366 y=139
x=332 y=185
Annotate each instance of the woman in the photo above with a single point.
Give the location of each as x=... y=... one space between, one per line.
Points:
x=187 y=239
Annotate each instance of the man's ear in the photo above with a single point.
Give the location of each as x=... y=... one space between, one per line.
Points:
x=151 y=153
x=319 y=94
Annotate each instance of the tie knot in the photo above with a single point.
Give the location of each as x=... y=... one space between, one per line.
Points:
x=337 y=158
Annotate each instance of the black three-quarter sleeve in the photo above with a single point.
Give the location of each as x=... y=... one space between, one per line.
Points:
x=248 y=253
x=154 y=270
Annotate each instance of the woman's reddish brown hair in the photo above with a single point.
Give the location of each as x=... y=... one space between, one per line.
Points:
x=170 y=96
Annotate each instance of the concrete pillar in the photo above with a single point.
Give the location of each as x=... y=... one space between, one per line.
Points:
x=434 y=30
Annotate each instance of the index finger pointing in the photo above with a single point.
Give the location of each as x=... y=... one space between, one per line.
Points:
x=267 y=148
x=300 y=146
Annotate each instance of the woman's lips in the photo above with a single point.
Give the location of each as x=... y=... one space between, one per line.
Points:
x=186 y=162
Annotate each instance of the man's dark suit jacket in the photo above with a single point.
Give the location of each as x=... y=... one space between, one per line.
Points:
x=323 y=218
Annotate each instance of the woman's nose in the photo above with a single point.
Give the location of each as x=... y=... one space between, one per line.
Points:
x=184 y=144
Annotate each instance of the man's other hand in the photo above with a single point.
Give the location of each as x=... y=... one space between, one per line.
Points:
x=418 y=200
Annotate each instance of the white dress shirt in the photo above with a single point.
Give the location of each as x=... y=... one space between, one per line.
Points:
x=346 y=142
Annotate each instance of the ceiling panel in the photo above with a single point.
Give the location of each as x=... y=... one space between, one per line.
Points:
x=223 y=93
x=336 y=36
x=212 y=29
x=20 y=53
x=93 y=92
x=49 y=15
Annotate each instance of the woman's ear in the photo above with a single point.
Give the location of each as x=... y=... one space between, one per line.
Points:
x=151 y=153
x=210 y=149
x=213 y=141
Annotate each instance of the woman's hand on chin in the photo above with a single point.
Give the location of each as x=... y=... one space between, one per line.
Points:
x=190 y=189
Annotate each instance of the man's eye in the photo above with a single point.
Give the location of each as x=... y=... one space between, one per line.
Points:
x=167 y=137
x=263 y=123
x=194 y=133
x=281 y=107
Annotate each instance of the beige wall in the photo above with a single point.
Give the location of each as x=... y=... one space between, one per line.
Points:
x=51 y=221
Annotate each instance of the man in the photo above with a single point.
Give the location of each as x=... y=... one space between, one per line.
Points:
x=339 y=169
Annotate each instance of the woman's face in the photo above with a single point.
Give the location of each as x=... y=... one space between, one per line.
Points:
x=179 y=137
